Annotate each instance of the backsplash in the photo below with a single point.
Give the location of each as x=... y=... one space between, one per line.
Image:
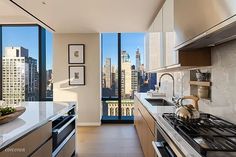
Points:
x=223 y=77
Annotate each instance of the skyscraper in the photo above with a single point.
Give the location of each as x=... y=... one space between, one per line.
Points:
x=123 y=83
x=49 y=83
x=125 y=57
x=20 y=76
x=138 y=60
x=134 y=79
x=107 y=71
x=126 y=73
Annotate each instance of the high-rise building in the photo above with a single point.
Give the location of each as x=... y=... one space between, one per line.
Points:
x=123 y=83
x=126 y=73
x=134 y=79
x=49 y=83
x=103 y=79
x=116 y=82
x=138 y=60
x=107 y=72
x=113 y=79
x=125 y=57
x=20 y=76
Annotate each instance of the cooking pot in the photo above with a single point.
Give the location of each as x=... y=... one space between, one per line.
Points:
x=188 y=112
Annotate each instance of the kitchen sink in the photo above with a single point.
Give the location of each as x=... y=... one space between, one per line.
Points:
x=159 y=102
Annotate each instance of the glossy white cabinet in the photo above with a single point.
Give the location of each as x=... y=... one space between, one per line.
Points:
x=169 y=33
x=154 y=55
x=154 y=45
x=160 y=40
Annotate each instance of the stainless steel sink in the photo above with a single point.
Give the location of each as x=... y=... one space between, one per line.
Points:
x=159 y=102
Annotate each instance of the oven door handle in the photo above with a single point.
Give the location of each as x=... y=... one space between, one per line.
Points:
x=156 y=149
x=162 y=150
x=58 y=131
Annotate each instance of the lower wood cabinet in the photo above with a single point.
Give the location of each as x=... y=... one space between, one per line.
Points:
x=36 y=142
x=44 y=151
x=143 y=123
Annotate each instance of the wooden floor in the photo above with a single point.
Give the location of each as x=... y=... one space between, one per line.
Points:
x=108 y=140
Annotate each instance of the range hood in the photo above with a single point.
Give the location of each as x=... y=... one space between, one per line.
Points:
x=219 y=34
x=204 y=23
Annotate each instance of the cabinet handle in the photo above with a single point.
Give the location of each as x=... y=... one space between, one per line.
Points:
x=57 y=131
x=156 y=149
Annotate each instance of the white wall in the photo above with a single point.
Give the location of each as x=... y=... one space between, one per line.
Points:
x=88 y=97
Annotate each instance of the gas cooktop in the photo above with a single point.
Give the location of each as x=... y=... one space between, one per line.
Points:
x=208 y=134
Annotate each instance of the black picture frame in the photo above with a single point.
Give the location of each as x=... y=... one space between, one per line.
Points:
x=70 y=51
x=78 y=82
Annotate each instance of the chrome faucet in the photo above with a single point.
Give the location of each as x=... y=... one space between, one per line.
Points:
x=173 y=98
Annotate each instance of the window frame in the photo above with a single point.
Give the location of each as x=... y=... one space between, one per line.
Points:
x=119 y=97
x=41 y=58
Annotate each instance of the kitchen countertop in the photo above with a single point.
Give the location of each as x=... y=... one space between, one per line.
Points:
x=156 y=112
x=36 y=115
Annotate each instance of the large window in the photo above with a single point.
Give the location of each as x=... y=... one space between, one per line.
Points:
x=23 y=51
x=110 y=89
x=123 y=74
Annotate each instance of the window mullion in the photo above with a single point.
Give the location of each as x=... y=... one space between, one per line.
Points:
x=119 y=76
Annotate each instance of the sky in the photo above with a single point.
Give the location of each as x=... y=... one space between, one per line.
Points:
x=129 y=42
x=27 y=37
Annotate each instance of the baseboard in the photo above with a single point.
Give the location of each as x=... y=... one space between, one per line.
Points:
x=89 y=124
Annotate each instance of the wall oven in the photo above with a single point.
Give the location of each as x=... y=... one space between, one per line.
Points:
x=63 y=134
x=163 y=145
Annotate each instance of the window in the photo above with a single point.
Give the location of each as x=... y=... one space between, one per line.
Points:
x=110 y=65
x=110 y=92
x=49 y=74
x=22 y=62
x=123 y=74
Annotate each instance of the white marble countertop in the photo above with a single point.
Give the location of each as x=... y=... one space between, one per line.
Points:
x=36 y=114
x=156 y=112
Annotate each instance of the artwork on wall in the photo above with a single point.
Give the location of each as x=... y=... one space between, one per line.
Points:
x=76 y=75
x=76 y=54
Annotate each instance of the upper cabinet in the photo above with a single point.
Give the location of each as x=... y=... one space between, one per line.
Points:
x=154 y=57
x=168 y=16
x=198 y=19
x=160 y=39
x=169 y=33
x=154 y=49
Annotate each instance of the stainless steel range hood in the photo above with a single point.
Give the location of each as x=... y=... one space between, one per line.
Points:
x=203 y=23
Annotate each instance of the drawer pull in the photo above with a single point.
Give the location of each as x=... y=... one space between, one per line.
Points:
x=58 y=131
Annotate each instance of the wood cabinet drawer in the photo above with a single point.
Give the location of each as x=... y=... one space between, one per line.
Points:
x=44 y=151
x=29 y=143
x=147 y=116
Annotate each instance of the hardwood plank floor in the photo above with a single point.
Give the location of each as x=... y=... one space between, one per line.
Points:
x=108 y=140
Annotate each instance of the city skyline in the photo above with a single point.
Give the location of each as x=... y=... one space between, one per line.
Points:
x=129 y=43
x=27 y=37
x=133 y=76
x=20 y=74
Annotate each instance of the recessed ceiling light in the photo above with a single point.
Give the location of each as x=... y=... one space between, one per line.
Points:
x=44 y=3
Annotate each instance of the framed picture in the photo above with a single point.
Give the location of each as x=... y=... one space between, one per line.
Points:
x=76 y=75
x=76 y=53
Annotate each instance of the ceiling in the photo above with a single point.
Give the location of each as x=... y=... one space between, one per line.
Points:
x=89 y=16
x=10 y=14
